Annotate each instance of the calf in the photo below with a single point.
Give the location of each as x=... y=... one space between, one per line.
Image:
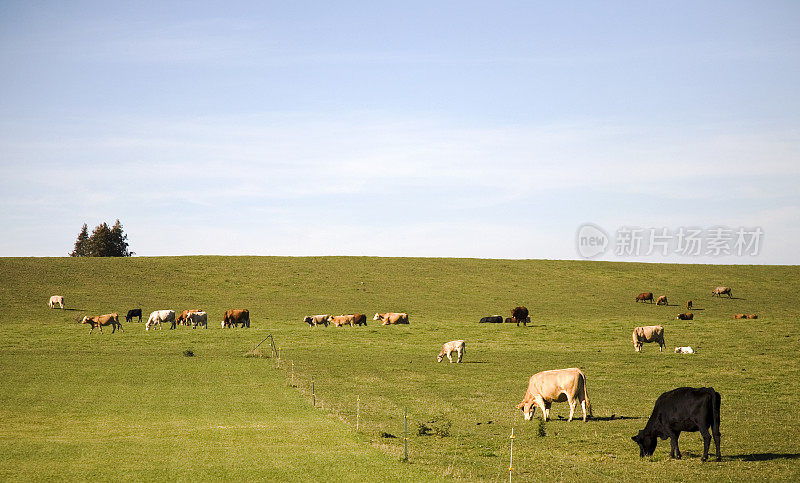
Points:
x=649 y=333
x=101 y=320
x=684 y=350
x=133 y=313
x=457 y=346
x=56 y=299
x=492 y=319
x=644 y=297
x=682 y=409
x=688 y=316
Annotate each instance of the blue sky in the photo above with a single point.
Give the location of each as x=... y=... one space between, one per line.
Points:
x=479 y=129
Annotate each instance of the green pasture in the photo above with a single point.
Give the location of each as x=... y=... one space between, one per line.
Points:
x=131 y=405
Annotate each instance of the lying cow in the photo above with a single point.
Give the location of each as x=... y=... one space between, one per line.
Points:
x=520 y=314
x=644 y=297
x=183 y=318
x=682 y=409
x=101 y=320
x=315 y=320
x=197 y=318
x=650 y=333
x=558 y=385
x=159 y=316
x=448 y=348
x=720 y=291
x=391 y=318
x=133 y=313
x=684 y=350
x=688 y=316
x=739 y=316
x=234 y=317
x=56 y=299
x=662 y=300
x=492 y=319
x=752 y=316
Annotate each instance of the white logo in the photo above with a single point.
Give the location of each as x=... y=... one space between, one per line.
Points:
x=591 y=240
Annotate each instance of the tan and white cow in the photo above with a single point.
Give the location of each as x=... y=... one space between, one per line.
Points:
x=56 y=299
x=649 y=333
x=101 y=320
x=558 y=385
x=391 y=318
x=720 y=291
x=457 y=346
x=159 y=316
x=315 y=320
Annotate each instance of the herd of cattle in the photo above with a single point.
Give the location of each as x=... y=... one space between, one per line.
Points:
x=675 y=411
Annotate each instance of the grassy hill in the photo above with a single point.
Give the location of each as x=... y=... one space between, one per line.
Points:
x=131 y=405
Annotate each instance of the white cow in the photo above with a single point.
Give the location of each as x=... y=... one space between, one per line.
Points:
x=684 y=350
x=56 y=299
x=457 y=346
x=558 y=385
x=159 y=316
x=648 y=333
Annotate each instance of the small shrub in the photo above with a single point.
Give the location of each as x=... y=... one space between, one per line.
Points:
x=423 y=429
x=384 y=434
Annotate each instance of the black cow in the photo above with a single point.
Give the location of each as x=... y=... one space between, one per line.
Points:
x=133 y=313
x=492 y=319
x=520 y=314
x=682 y=409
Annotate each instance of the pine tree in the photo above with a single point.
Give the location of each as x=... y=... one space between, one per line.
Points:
x=100 y=243
x=82 y=243
x=119 y=241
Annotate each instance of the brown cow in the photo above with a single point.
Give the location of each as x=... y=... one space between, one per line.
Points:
x=720 y=291
x=688 y=316
x=236 y=317
x=752 y=316
x=645 y=296
x=520 y=314
x=662 y=300
x=649 y=333
x=391 y=318
x=340 y=320
x=183 y=318
x=557 y=385
x=739 y=316
x=360 y=319
x=101 y=320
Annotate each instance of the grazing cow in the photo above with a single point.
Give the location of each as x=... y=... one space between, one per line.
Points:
x=236 y=317
x=650 y=333
x=644 y=297
x=360 y=319
x=739 y=316
x=662 y=300
x=315 y=320
x=558 y=385
x=688 y=316
x=196 y=318
x=492 y=319
x=720 y=291
x=183 y=318
x=159 y=316
x=682 y=409
x=689 y=305
x=448 y=348
x=56 y=299
x=752 y=316
x=133 y=313
x=520 y=314
x=391 y=318
x=684 y=350
x=101 y=320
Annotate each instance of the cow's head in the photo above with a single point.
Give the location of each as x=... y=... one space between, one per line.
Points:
x=223 y=324
x=85 y=318
x=377 y=317
x=647 y=443
x=528 y=408
x=440 y=356
x=308 y=320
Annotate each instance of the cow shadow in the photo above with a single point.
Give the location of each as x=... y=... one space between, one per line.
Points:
x=74 y=310
x=473 y=362
x=613 y=418
x=765 y=456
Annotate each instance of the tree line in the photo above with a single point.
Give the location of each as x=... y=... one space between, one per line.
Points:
x=105 y=241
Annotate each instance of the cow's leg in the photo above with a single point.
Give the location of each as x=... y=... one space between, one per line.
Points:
x=583 y=408
x=460 y=355
x=571 y=403
x=675 y=452
x=449 y=358
x=706 y=442
x=717 y=438
x=543 y=406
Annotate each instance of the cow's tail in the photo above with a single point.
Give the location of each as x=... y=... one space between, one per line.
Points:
x=586 y=396
x=716 y=402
